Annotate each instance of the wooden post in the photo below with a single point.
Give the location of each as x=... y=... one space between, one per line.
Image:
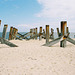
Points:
x=31 y=32
x=40 y=33
x=4 y=31
x=0 y=22
x=63 y=32
x=47 y=33
x=15 y=33
x=10 y=33
x=36 y=33
x=67 y=31
x=44 y=36
x=52 y=34
x=63 y=27
x=58 y=32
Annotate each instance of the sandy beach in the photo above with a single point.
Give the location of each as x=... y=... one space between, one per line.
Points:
x=31 y=58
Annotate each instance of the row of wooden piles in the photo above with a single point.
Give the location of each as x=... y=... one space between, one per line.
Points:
x=3 y=38
x=63 y=34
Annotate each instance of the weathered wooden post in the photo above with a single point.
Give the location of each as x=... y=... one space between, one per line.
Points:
x=0 y=22
x=63 y=28
x=47 y=33
x=67 y=31
x=52 y=34
x=58 y=32
x=44 y=36
x=10 y=33
x=63 y=32
x=40 y=33
x=15 y=32
x=62 y=36
x=31 y=32
x=36 y=33
x=4 y=31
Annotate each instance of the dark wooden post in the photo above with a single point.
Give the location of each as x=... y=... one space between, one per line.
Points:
x=44 y=36
x=47 y=33
x=40 y=33
x=4 y=31
x=63 y=31
x=58 y=32
x=31 y=32
x=0 y=22
x=36 y=33
x=15 y=33
x=67 y=31
x=10 y=33
x=52 y=34
x=63 y=27
x=4 y=34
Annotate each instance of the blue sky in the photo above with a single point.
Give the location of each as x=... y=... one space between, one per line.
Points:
x=26 y=14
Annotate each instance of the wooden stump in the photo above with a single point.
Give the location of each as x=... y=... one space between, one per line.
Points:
x=47 y=33
x=36 y=33
x=40 y=33
x=10 y=33
x=4 y=31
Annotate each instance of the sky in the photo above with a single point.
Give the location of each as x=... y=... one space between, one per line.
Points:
x=27 y=14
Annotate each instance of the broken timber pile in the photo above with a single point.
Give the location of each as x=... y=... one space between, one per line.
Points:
x=3 y=40
x=62 y=37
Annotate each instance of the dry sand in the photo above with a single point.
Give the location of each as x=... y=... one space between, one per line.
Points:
x=31 y=58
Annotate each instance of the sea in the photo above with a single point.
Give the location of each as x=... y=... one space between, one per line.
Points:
x=72 y=34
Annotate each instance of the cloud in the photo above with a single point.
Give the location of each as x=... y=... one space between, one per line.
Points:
x=64 y=9
x=57 y=10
